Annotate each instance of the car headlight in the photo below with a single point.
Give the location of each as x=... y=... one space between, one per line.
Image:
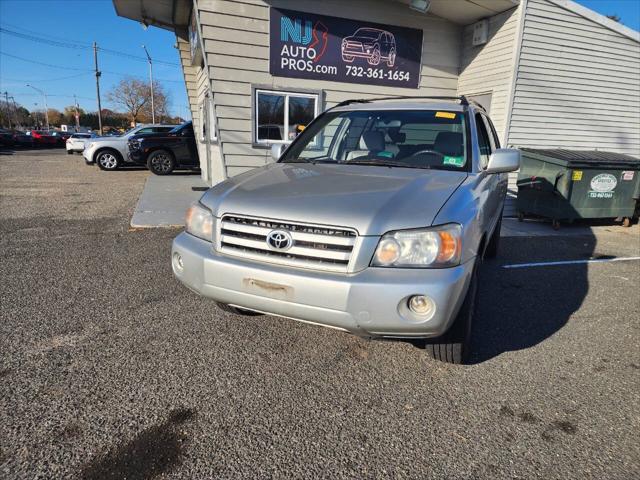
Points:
x=435 y=247
x=199 y=222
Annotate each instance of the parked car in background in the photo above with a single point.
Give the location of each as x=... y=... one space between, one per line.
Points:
x=162 y=154
x=110 y=153
x=374 y=221
x=6 y=138
x=42 y=138
x=21 y=139
x=61 y=137
x=76 y=142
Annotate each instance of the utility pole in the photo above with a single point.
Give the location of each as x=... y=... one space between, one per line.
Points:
x=153 y=110
x=95 y=61
x=75 y=101
x=6 y=100
x=46 y=108
x=15 y=112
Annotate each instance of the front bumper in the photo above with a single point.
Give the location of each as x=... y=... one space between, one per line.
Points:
x=136 y=156
x=87 y=153
x=367 y=303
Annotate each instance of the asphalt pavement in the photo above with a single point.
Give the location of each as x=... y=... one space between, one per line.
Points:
x=110 y=369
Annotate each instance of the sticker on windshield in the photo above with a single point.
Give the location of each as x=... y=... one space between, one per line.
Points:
x=449 y=115
x=577 y=175
x=455 y=161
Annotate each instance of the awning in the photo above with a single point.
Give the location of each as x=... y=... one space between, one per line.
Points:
x=466 y=12
x=167 y=14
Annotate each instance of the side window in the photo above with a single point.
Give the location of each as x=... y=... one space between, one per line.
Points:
x=483 y=142
x=494 y=135
x=145 y=130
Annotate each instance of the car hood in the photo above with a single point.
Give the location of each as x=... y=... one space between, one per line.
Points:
x=371 y=199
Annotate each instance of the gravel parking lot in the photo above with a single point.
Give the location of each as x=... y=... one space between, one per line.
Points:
x=110 y=369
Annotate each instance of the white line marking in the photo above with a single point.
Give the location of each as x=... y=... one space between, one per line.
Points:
x=571 y=262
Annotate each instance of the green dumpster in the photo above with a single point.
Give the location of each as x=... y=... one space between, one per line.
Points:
x=565 y=185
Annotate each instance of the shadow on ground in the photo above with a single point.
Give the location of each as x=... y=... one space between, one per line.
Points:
x=152 y=452
x=519 y=308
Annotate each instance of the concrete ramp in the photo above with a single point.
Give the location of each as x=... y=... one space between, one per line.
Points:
x=165 y=199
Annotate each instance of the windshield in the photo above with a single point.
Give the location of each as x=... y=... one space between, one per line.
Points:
x=367 y=32
x=391 y=138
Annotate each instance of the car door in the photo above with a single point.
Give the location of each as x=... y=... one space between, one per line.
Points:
x=185 y=146
x=495 y=184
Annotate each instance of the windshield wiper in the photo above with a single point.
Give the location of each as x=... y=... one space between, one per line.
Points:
x=384 y=163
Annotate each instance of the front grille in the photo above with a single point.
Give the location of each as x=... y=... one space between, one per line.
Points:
x=314 y=246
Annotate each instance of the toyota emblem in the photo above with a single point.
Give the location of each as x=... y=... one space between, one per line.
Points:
x=279 y=240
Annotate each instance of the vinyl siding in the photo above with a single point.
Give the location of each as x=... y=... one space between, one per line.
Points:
x=578 y=84
x=489 y=68
x=236 y=42
x=196 y=82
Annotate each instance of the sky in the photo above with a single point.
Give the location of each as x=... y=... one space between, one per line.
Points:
x=79 y=24
x=65 y=68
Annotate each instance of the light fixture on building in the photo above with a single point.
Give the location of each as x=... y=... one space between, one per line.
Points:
x=420 y=5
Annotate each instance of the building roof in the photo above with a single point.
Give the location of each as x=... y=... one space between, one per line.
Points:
x=466 y=12
x=597 y=18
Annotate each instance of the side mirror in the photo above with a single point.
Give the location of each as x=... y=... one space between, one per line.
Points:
x=276 y=151
x=504 y=160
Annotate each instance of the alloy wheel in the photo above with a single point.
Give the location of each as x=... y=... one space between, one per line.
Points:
x=161 y=163
x=108 y=161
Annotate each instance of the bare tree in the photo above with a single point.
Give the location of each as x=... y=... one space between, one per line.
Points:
x=130 y=94
x=161 y=102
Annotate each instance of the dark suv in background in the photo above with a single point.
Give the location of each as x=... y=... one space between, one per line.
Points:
x=162 y=154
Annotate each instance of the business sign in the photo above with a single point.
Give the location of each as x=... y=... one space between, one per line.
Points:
x=194 y=40
x=305 y=45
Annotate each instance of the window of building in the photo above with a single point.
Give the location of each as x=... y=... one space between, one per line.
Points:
x=211 y=117
x=202 y=131
x=280 y=116
x=207 y=120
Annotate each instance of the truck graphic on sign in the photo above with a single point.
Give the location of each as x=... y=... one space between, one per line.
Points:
x=372 y=44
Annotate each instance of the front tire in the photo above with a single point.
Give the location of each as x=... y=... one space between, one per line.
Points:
x=492 y=247
x=374 y=59
x=455 y=345
x=108 y=160
x=161 y=162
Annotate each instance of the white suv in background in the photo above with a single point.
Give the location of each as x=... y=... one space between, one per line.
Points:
x=111 y=152
x=75 y=143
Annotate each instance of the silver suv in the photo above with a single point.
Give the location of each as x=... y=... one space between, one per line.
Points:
x=110 y=153
x=373 y=221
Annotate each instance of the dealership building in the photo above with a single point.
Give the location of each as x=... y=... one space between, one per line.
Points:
x=551 y=73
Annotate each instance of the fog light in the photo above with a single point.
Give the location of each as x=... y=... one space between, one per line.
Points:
x=422 y=305
x=177 y=261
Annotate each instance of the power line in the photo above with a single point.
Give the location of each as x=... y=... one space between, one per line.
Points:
x=44 y=64
x=46 y=79
x=62 y=95
x=79 y=46
x=33 y=38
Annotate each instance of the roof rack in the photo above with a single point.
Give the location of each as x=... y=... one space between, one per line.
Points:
x=461 y=98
